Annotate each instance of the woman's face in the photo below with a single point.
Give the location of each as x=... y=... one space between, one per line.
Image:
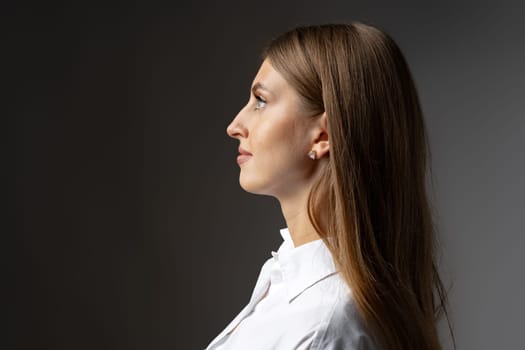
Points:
x=278 y=133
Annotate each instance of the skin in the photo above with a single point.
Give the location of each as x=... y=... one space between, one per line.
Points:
x=279 y=133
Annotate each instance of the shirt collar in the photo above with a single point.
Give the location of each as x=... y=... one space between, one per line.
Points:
x=302 y=266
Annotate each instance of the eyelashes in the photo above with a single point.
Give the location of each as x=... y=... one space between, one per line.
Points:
x=260 y=102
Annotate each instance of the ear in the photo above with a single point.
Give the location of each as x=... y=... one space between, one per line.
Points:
x=321 y=143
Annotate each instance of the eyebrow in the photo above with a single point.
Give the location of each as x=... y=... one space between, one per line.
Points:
x=260 y=86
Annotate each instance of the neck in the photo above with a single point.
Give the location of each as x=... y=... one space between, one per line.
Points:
x=295 y=213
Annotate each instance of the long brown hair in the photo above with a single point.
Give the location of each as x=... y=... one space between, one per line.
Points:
x=370 y=205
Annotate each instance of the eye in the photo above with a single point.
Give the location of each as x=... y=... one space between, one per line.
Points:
x=260 y=102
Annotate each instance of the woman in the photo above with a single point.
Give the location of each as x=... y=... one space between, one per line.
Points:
x=334 y=130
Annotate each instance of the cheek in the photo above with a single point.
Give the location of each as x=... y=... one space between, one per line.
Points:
x=282 y=143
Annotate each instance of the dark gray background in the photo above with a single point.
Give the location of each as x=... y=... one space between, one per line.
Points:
x=132 y=230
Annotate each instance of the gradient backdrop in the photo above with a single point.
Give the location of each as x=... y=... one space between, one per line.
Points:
x=132 y=230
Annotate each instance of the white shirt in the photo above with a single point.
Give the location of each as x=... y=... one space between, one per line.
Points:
x=308 y=306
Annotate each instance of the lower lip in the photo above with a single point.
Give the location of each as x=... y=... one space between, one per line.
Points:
x=242 y=158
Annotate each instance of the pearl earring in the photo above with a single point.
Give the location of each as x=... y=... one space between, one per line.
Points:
x=312 y=154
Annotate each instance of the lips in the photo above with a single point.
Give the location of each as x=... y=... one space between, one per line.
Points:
x=242 y=151
x=243 y=156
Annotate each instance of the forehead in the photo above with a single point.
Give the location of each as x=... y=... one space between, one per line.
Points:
x=269 y=77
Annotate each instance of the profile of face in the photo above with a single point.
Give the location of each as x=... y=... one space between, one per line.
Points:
x=278 y=132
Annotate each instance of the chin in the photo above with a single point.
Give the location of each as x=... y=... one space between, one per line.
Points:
x=248 y=187
x=251 y=186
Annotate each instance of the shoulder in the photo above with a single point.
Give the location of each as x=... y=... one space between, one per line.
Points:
x=344 y=328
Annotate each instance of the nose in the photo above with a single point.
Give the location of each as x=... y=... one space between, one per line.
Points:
x=236 y=129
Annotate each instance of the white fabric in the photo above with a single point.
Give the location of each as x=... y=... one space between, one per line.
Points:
x=308 y=306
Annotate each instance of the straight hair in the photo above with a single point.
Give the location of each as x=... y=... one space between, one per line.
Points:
x=370 y=204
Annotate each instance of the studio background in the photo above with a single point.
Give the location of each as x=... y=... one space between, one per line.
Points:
x=131 y=229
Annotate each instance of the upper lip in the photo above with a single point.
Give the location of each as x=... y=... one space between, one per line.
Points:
x=243 y=151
